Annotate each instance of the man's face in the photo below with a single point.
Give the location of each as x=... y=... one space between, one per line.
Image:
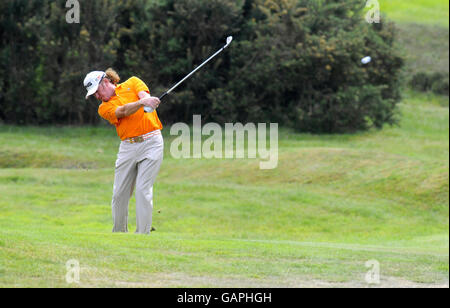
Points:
x=105 y=91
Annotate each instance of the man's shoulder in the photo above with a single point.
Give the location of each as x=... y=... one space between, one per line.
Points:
x=134 y=83
x=131 y=81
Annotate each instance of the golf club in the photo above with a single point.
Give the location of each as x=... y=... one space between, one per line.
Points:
x=229 y=40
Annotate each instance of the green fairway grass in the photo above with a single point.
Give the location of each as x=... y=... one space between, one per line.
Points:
x=429 y=12
x=333 y=203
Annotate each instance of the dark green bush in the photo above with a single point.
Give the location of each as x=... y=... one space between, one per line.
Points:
x=441 y=86
x=295 y=62
x=421 y=82
x=437 y=83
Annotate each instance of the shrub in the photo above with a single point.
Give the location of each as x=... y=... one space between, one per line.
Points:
x=440 y=86
x=437 y=83
x=295 y=62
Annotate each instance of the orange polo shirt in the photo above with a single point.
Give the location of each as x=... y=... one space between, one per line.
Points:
x=137 y=124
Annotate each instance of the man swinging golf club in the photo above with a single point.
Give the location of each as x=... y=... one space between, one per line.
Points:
x=141 y=150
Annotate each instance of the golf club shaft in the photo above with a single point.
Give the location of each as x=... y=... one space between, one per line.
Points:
x=148 y=109
x=192 y=73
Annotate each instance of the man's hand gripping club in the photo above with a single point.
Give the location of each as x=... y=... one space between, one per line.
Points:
x=145 y=101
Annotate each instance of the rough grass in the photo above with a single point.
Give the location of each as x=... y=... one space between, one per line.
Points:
x=333 y=203
x=423 y=34
x=425 y=48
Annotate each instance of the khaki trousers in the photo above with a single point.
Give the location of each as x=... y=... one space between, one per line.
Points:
x=137 y=166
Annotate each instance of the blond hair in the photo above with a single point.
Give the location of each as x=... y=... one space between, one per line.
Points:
x=112 y=76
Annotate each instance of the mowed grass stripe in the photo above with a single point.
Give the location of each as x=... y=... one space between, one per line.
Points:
x=107 y=259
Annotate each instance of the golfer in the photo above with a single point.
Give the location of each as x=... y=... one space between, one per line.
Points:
x=141 y=150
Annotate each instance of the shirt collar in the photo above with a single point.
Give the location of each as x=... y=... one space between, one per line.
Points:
x=118 y=87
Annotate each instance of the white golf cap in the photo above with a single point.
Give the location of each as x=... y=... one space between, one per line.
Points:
x=92 y=81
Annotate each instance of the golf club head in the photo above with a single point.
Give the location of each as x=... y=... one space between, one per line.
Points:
x=229 y=40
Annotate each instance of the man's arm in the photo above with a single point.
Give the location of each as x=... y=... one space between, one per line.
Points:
x=132 y=108
x=143 y=94
x=128 y=109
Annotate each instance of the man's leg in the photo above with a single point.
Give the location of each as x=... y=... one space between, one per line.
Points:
x=125 y=179
x=147 y=171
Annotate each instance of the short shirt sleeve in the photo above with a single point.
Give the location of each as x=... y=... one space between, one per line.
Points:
x=108 y=112
x=139 y=85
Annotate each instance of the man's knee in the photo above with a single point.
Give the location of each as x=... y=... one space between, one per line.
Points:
x=145 y=192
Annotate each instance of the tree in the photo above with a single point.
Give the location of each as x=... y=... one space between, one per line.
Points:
x=295 y=62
